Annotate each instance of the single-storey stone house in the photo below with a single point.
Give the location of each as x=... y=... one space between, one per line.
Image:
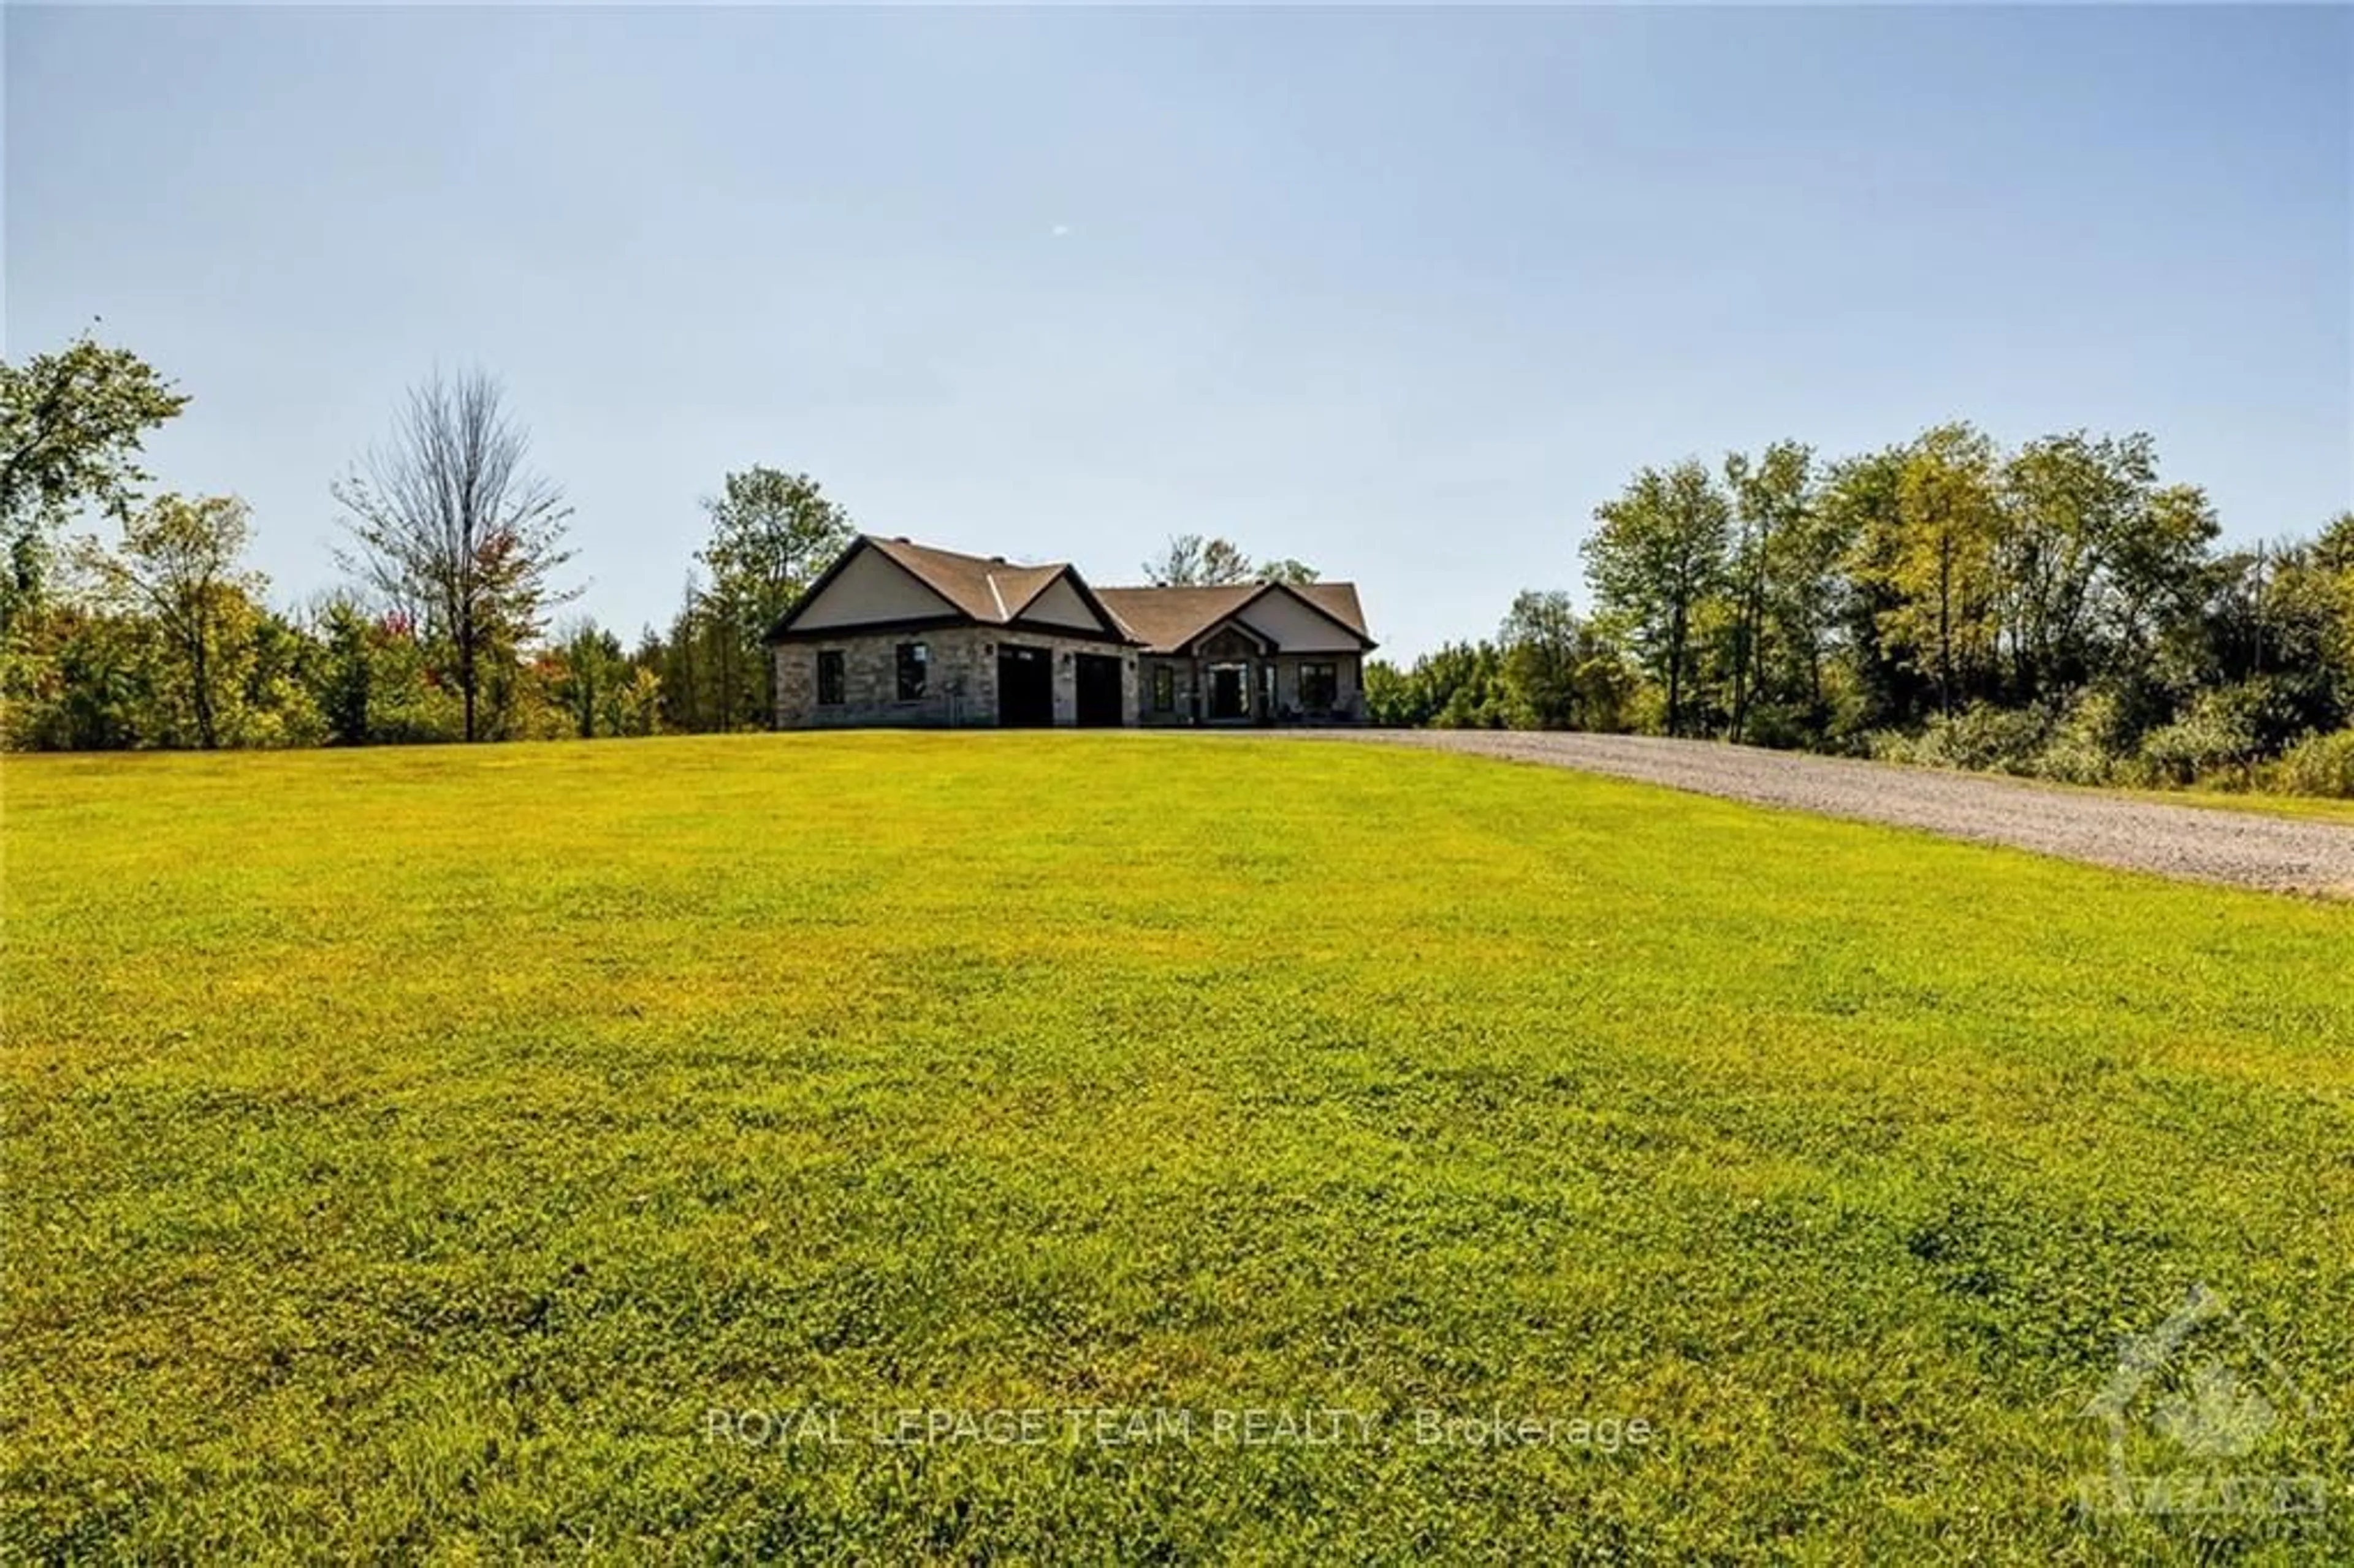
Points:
x=901 y=634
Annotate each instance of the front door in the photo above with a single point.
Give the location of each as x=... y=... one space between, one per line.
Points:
x=1229 y=691
x=1025 y=686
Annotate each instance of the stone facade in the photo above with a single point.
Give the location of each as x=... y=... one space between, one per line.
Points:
x=961 y=679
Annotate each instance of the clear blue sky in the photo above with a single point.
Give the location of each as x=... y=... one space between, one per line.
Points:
x=1401 y=293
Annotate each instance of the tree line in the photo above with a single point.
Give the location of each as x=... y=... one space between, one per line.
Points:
x=446 y=625
x=2058 y=609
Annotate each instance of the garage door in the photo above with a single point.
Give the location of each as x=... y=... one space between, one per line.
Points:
x=1025 y=686
x=1099 y=704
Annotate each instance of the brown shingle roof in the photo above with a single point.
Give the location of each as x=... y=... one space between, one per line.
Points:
x=1337 y=600
x=985 y=590
x=994 y=592
x=1167 y=619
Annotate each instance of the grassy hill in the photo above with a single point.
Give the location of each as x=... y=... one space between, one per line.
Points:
x=408 y=1152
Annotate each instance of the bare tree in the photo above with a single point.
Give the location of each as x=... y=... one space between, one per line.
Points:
x=451 y=525
x=1192 y=561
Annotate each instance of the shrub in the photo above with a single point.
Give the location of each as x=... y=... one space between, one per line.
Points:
x=2317 y=765
x=1845 y=716
x=1783 y=726
x=1892 y=746
x=1981 y=737
x=2088 y=744
x=2073 y=759
x=2217 y=739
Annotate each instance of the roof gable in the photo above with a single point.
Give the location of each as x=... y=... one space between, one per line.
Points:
x=1062 y=601
x=1310 y=618
x=1297 y=623
x=1169 y=617
x=1338 y=600
x=985 y=587
x=864 y=585
x=1226 y=628
x=892 y=582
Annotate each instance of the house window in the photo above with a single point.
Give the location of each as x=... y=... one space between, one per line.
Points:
x=1319 y=686
x=1164 y=689
x=830 y=678
x=914 y=662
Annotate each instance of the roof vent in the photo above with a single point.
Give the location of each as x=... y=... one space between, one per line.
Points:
x=996 y=560
x=898 y=539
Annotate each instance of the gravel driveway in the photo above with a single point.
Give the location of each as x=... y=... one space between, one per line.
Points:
x=2199 y=843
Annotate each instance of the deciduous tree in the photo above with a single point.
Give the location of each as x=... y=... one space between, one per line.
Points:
x=596 y=681
x=772 y=535
x=1659 y=551
x=1192 y=561
x=180 y=567
x=1942 y=564
x=1772 y=586
x=71 y=425
x=450 y=523
x=1559 y=671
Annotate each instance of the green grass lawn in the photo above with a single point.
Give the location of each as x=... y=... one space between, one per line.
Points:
x=407 y=1152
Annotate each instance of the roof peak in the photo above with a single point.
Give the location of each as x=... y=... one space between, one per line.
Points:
x=1174 y=615
x=894 y=542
